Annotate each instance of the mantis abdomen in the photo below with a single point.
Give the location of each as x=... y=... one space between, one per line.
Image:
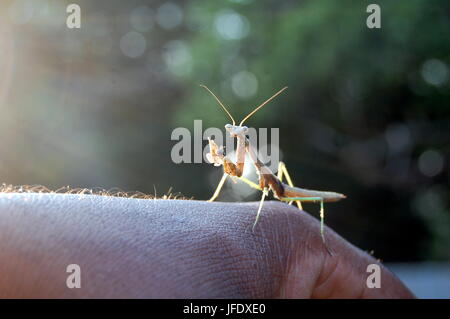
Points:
x=290 y=191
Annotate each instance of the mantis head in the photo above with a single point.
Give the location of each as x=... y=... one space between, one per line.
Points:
x=236 y=130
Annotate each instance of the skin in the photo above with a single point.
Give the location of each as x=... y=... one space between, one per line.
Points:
x=137 y=248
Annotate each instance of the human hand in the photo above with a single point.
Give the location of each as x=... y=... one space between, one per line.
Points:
x=140 y=248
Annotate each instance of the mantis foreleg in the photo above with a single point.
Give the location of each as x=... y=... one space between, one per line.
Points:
x=217 y=157
x=219 y=188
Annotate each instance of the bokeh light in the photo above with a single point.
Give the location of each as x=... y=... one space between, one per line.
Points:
x=435 y=72
x=169 y=15
x=431 y=163
x=141 y=18
x=178 y=58
x=133 y=44
x=231 y=25
x=244 y=84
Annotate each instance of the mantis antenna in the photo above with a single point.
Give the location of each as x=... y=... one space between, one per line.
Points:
x=267 y=101
x=220 y=103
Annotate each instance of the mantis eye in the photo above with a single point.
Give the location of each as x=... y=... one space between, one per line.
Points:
x=228 y=126
x=244 y=129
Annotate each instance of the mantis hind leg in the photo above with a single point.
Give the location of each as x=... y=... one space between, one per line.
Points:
x=322 y=214
x=322 y=231
x=219 y=188
x=282 y=171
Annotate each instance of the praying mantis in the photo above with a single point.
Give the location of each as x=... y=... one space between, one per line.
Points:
x=267 y=180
